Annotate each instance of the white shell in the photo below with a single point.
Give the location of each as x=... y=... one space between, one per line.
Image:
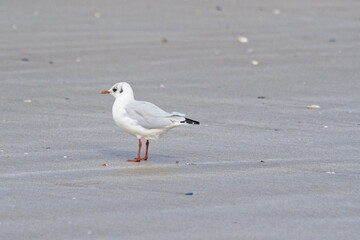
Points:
x=313 y=107
x=242 y=39
x=254 y=62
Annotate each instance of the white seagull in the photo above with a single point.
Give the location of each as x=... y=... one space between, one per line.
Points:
x=142 y=119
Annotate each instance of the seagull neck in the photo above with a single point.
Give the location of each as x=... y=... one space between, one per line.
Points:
x=124 y=100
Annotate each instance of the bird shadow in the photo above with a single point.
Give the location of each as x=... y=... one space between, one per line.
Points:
x=116 y=153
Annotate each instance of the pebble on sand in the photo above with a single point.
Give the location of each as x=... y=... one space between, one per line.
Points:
x=104 y=164
x=97 y=15
x=27 y=101
x=164 y=40
x=276 y=11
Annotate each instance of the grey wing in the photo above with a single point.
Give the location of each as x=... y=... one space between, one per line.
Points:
x=151 y=116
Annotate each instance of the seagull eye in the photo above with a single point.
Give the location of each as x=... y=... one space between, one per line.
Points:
x=114 y=89
x=121 y=90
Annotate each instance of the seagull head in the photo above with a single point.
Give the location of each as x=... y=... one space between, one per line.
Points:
x=121 y=90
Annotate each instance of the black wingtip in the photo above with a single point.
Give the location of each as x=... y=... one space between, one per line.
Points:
x=190 y=121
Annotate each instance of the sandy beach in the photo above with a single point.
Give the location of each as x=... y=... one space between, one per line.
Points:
x=262 y=164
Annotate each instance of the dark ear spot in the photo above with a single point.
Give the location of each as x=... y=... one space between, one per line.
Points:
x=121 y=90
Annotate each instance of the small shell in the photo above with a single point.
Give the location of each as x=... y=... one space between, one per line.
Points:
x=27 y=101
x=242 y=39
x=313 y=107
x=97 y=15
x=77 y=60
x=104 y=164
x=164 y=40
x=254 y=62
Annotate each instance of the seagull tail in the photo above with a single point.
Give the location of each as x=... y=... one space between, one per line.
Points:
x=190 y=121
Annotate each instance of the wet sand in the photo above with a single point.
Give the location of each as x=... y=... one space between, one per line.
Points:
x=264 y=165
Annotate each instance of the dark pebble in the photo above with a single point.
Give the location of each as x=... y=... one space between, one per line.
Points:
x=332 y=40
x=218 y=8
x=67 y=98
x=189 y=193
x=261 y=97
x=48 y=147
x=51 y=62
x=25 y=59
x=276 y=129
x=262 y=161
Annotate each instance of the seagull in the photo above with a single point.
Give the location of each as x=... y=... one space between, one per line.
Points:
x=142 y=119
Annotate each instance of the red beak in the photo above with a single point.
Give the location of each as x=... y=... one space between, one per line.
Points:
x=105 y=92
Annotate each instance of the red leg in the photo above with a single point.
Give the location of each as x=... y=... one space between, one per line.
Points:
x=147 y=149
x=139 y=149
x=138 y=159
